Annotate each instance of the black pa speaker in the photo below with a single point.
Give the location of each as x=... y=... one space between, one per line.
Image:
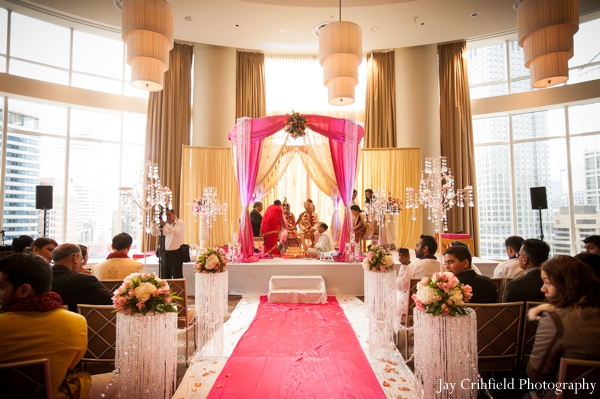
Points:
x=43 y=197
x=538 y=198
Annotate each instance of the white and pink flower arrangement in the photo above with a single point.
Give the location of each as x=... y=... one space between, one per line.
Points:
x=378 y=259
x=197 y=205
x=212 y=260
x=442 y=294
x=296 y=124
x=143 y=293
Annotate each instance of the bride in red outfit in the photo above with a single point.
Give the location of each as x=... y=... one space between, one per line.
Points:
x=272 y=224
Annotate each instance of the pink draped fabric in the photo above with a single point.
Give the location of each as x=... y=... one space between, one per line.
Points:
x=247 y=136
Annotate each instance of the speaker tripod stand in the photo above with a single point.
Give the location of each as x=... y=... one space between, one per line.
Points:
x=541 y=226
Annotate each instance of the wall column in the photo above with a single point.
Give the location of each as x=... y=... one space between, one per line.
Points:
x=417 y=103
x=213 y=109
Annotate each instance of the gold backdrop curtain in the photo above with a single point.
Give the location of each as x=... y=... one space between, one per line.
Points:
x=168 y=124
x=380 y=117
x=457 y=132
x=394 y=169
x=250 y=85
x=209 y=167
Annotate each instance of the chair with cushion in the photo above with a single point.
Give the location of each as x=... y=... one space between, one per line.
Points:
x=499 y=281
x=186 y=316
x=575 y=371
x=498 y=335
x=26 y=380
x=102 y=335
x=529 y=329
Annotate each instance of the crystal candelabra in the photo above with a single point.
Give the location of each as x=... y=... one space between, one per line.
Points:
x=381 y=205
x=437 y=194
x=157 y=196
x=208 y=207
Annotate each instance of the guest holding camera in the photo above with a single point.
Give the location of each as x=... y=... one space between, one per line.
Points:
x=173 y=230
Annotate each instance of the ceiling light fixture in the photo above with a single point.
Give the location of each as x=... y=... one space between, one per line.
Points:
x=340 y=54
x=545 y=29
x=147 y=29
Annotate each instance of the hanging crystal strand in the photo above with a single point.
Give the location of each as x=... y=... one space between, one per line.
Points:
x=211 y=308
x=146 y=355
x=440 y=356
x=379 y=300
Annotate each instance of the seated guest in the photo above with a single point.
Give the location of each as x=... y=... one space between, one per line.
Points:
x=84 y=261
x=591 y=260
x=592 y=244
x=569 y=324
x=44 y=247
x=424 y=267
x=462 y=244
x=359 y=224
x=458 y=261
x=118 y=265
x=527 y=287
x=510 y=268
x=307 y=223
x=324 y=243
x=354 y=196
x=20 y=243
x=35 y=325
x=72 y=286
x=256 y=218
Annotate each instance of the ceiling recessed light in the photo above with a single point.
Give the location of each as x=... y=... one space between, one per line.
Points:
x=475 y=14
x=188 y=18
x=374 y=29
x=282 y=30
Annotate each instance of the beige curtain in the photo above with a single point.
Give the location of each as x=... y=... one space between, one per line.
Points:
x=380 y=116
x=394 y=169
x=209 y=167
x=250 y=85
x=457 y=132
x=168 y=124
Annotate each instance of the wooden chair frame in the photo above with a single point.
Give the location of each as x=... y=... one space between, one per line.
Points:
x=575 y=370
x=498 y=335
x=102 y=334
x=529 y=330
x=26 y=380
x=186 y=316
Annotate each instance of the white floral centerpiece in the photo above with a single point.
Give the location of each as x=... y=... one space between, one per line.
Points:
x=212 y=260
x=378 y=259
x=144 y=293
x=442 y=294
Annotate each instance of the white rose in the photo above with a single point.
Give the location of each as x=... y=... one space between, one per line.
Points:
x=387 y=261
x=145 y=291
x=456 y=297
x=212 y=261
x=366 y=264
x=426 y=295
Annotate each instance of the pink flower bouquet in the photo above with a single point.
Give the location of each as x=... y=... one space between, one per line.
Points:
x=296 y=124
x=143 y=293
x=212 y=260
x=442 y=294
x=378 y=260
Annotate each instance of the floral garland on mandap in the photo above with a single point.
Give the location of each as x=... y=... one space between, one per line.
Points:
x=378 y=259
x=143 y=293
x=442 y=294
x=296 y=124
x=212 y=260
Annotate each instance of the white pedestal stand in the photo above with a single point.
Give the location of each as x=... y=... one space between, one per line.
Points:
x=211 y=308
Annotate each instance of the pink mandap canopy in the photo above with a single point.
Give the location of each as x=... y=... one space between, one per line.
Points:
x=344 y=138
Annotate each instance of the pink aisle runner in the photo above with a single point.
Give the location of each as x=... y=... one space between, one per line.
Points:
x=298 y=351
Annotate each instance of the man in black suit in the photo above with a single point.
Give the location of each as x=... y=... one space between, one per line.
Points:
x=256 y=218
x=72 y=286
x=528 y=286
x=458 y=261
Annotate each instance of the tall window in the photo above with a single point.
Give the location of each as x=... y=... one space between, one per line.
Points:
x=84 y=154
x=557 y=148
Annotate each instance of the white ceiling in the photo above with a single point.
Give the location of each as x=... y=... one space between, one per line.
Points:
x=287 y=26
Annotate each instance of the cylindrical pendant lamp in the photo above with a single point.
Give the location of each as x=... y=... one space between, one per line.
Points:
x=546 y=29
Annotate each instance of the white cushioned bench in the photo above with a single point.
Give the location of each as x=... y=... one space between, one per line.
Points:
x=297 y=289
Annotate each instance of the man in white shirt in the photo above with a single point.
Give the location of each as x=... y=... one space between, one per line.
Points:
x=173 y=230
x=118 y=264
x=511 y=267
x=325 y=243
x=424 y=267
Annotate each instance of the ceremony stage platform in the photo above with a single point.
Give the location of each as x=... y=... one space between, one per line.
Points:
x=340 y=278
